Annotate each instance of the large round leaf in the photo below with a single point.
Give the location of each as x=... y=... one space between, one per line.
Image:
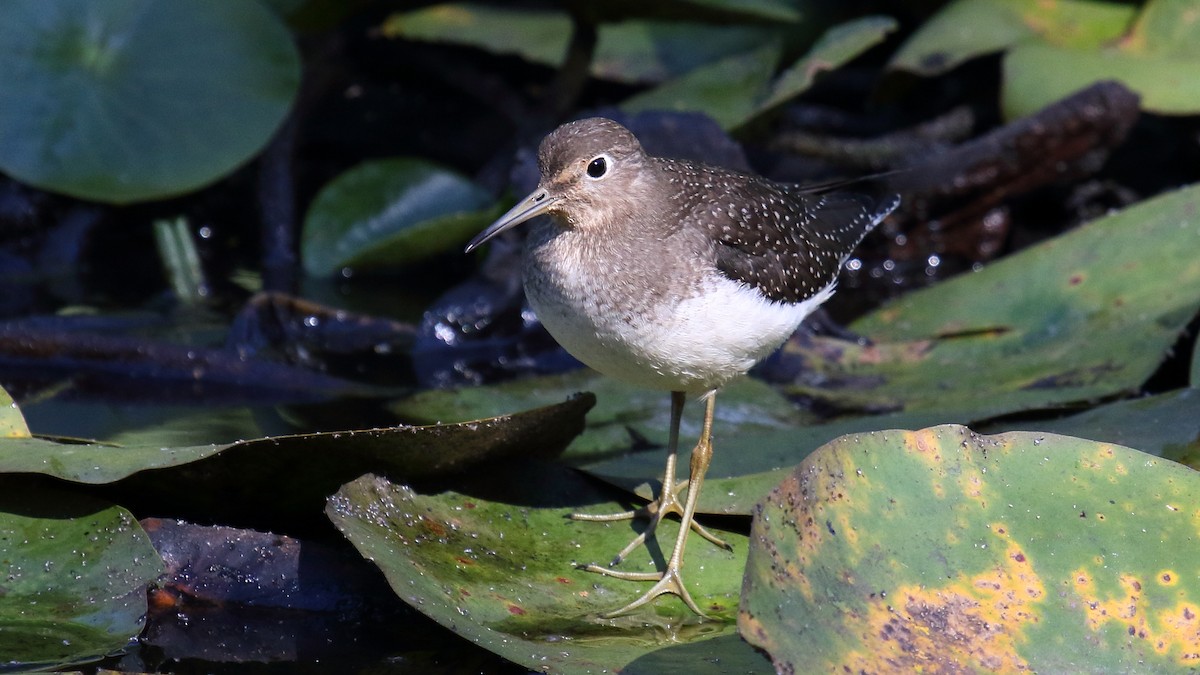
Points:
x=386 y=213
x=126 y=100
x=945 y=551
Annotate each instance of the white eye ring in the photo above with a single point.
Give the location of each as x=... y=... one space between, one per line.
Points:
x=598 y=167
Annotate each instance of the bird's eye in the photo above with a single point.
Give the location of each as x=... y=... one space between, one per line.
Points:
x=597 y=167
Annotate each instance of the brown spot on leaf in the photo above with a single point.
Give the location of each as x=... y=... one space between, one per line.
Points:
x=515 y=610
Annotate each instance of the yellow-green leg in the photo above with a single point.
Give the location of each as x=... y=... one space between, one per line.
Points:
x=670 y=580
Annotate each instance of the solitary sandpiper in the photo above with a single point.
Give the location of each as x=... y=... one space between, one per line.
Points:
x=675 y=276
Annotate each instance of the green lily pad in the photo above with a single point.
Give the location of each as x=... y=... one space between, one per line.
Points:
x=75 y=572
x=128 y=100
x=387 y=213
x=498 y=566
x=634 y=51
x=969 y=28
x=944 y=550
x=1086 y=315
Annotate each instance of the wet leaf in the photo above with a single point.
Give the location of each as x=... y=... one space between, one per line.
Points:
x=1085 y=315
x=130 y=100
x=969 y=28
x=944 y=550
x=500 y=570
x=633 y=51
x=385 y=214
x=75 y=572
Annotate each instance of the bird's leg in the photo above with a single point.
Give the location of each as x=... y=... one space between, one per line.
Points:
x=671 y=580
x=667 y=503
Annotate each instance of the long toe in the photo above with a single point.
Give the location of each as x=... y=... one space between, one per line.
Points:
x=670 y=583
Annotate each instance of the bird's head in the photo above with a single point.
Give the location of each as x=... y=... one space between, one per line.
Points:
x=590 y=173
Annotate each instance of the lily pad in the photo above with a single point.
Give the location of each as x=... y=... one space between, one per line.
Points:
x=498 y=566
x=1086 y=315
x=384 y=214
x=969 y=28
x=941 y=549
x=75 y=576
x=129 y=100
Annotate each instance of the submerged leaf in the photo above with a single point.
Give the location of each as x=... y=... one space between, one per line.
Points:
x=941 y=549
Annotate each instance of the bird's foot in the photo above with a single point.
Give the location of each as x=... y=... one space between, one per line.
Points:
x=667 y=582
x=668 y=502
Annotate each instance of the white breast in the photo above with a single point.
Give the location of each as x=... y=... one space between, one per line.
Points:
x=693 y=344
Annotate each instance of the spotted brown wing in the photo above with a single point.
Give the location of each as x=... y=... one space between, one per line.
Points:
x=790 y=243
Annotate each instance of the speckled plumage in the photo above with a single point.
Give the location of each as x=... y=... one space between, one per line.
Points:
x=675 y=275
